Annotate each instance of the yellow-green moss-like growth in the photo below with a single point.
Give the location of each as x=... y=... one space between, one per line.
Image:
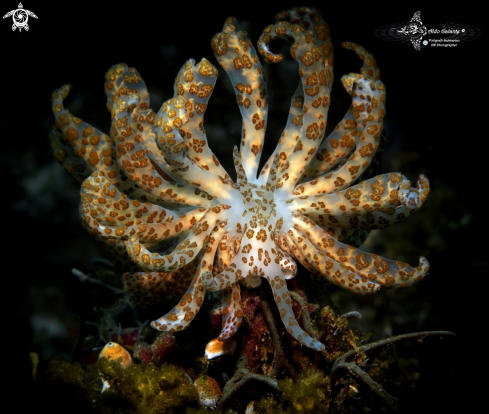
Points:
x=148 y=388
x=137 y=388
x=310 y=393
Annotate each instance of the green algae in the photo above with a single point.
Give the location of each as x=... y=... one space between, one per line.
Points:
x=151 y=389
x=309 y=393
x=138 y=388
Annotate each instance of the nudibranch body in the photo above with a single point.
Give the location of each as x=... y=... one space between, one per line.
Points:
x=156 y=193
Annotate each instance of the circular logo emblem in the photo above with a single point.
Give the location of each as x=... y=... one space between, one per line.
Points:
x=20 y=17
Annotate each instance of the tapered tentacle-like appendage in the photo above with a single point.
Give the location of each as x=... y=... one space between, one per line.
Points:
x=229 y=307
x=155 y=191
x=146 y=288
x=182 y=314
x=195 y=84
x=368 y=109
x=359 y=271
x=237 y=56
x=313 y=50
x=372 y=204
